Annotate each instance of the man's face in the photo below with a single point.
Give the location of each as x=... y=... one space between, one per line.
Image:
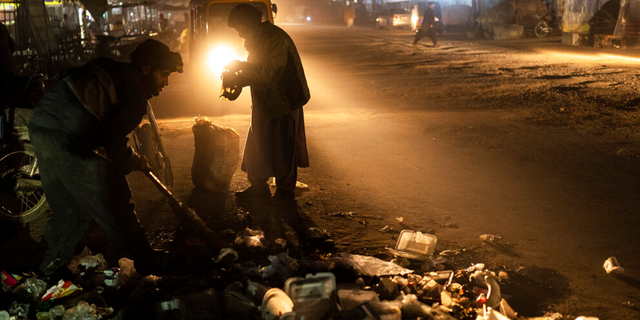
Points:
x=431 y=6
x=244 y=31
x=156 y=79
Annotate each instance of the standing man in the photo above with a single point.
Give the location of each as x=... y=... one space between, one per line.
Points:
x=276 y=144
x=427 y=29
x=94 y=108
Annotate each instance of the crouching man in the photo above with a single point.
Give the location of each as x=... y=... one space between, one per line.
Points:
x=97 y=106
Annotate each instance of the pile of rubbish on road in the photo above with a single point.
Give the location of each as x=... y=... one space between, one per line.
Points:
x=414 y=285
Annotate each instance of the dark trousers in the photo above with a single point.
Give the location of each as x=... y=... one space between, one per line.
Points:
x=425 y=33
x=82 y=186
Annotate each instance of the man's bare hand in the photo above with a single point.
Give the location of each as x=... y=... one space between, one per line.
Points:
x=229 y=78
x=144 y=165
x=234 y=66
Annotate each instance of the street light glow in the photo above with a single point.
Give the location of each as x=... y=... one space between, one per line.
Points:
x=591 y=57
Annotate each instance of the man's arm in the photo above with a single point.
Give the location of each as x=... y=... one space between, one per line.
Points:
x=269 y=68
x=115 y=136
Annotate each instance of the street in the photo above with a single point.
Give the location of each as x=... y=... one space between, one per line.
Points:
x=530 y=141
x=477 y=137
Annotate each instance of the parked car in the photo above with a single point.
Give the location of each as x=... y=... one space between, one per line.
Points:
x=394 y=18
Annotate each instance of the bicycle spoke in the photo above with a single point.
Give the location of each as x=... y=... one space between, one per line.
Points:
x=27 y=202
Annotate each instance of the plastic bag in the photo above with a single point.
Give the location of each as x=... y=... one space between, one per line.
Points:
x=217 y=153
x=372 y=266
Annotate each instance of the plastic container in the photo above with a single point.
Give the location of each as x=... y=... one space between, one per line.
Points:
x=312 y=288
x=443 y=277
x=313 y=296
x=275 y=304
x=415 y=245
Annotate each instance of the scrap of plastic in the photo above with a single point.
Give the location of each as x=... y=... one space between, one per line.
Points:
x=493 y=297
x=31 y=289
x=400 y=281
x=413 y=308
x=490 y=237
x=282 y=243
x=494 y=315
x=352 y=298
x=401 y=261
x=386 y=288
x=127 y=274
x=111 y=277
x=226 y=254
x=57 y=311
x=9 y=279
x=85 y=261
x=82 y=311
x=587 y=318
x=476 y=267
x=281 y=268
x=316 y=233
x=506 y=309
x=611 y=265
x=372 y=266
x=250 y=238
x=19 y=309
x=62 y=289
x=388 y=310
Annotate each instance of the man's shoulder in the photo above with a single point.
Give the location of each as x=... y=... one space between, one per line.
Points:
x=109 y=63
x=115 y=69
x=273 y=30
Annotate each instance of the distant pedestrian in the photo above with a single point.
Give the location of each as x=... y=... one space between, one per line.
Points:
x=427 y=29
x=163 y=23
x=349 y=15
x=65 y=27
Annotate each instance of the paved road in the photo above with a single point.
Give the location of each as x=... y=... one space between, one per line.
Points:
x=399 y=132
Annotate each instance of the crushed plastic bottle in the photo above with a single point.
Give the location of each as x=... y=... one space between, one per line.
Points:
x=82 y=311
x=250 y=238
x=611 y=265
x=31 y=289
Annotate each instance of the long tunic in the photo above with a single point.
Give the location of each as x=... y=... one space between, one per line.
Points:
x=276 y=143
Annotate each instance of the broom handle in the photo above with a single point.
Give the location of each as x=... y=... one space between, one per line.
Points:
x=210 y=239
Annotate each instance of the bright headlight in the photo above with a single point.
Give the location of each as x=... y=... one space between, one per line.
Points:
x=218 y=57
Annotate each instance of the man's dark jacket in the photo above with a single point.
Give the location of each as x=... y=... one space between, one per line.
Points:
x=100 y=103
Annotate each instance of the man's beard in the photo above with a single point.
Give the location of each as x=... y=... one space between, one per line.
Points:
x=151 y=85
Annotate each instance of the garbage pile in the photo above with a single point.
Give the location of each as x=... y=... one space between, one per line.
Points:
x=414 y=285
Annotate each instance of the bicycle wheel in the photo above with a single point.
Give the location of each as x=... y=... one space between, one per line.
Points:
x=20 y=205
x=541 y=29
x=148 y=146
